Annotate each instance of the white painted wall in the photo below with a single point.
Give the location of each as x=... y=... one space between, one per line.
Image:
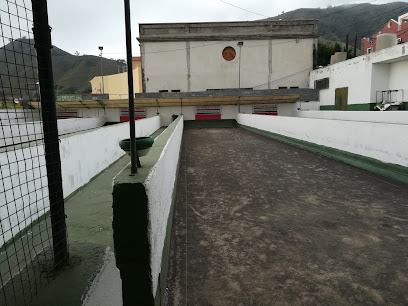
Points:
x=364 y=75
x=83 y=156
x=381 y=141
x=354 y=74
x=16 y=133
x=160 y=185
x=86 y=154
x=167 y=70
x=364 y=116
x=399 y=76
x=166 y=64
x=227 y=111
x=23 y=190
x=111 y=114
x=8 y=116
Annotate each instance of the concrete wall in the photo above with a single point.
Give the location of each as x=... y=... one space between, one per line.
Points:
x=365 y=75
x=398 y=76
x=23 y=190
x=227 y=111
x=8 y=116
x=16 y=133
x=198 y=66
x=102 y=149
x=354 y=74
x=84 y=155
x=369 y=116
x=381 y=141
x=160 y=185
x=142 y=218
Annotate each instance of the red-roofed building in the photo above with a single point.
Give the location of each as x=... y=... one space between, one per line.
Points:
x=399 y=27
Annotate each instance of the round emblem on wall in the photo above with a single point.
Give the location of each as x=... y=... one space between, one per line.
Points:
x=228 y=53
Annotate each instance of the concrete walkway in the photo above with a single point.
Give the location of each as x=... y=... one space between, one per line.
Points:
x=92 y=277
x=258 y=222
x=89 y=226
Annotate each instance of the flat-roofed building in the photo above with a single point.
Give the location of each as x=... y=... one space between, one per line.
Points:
x=190 y=57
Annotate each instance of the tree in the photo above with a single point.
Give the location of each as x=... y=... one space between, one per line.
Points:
x=324 y=53
x=337 y=47
x=76 y=53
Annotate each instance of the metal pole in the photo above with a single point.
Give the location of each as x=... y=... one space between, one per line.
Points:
x=133 y=152
x=239 y=70
x=240 y=44
x=355 y=45
x=347 y=45
x=42 y=37
x=103 y=85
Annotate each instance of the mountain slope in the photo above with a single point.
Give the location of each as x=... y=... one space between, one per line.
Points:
x=71 y=73
x=335 y=23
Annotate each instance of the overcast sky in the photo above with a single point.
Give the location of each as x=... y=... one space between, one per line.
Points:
x=83 y=25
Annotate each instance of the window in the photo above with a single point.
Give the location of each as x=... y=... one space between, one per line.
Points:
x=228 y=53
x=163 y=90
x=282 y=87
x=294 y=87
x=369 y=50
x=322 y=83
x=175 y=90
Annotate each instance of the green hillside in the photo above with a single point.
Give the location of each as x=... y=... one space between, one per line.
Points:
x=335 y=23
x=71 y=73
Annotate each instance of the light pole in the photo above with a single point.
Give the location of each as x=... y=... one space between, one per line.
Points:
x=103 y=85
x=240 y=44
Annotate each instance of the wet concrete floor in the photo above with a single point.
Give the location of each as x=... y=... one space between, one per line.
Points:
x=259 y=222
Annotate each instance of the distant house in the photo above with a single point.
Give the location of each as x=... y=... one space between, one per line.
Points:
x=399 y=27
x=116 y=84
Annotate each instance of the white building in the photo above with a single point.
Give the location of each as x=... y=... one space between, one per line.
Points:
x=190 y=57
x=363 y=81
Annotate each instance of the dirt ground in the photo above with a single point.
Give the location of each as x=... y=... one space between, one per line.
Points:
x=259 y=222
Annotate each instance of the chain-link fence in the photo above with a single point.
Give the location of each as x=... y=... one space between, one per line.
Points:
x=33 y=242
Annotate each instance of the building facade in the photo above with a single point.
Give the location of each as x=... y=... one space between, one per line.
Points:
x=362 y=82
x=399 y=27
x=116 y=85
x=190 y=57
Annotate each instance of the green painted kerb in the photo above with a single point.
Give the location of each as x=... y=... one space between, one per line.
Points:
x=130 y=227
x=395 y=172
x=224 y=123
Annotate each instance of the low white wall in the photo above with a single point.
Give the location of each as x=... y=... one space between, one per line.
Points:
x=381 y=141
x=23 y=190
x=159 y=186
x=188 y=112
x=23 y=193
x=364 y=116
x=16 y=133
x=19 y=115
x=86 y=154
x=66 y=126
